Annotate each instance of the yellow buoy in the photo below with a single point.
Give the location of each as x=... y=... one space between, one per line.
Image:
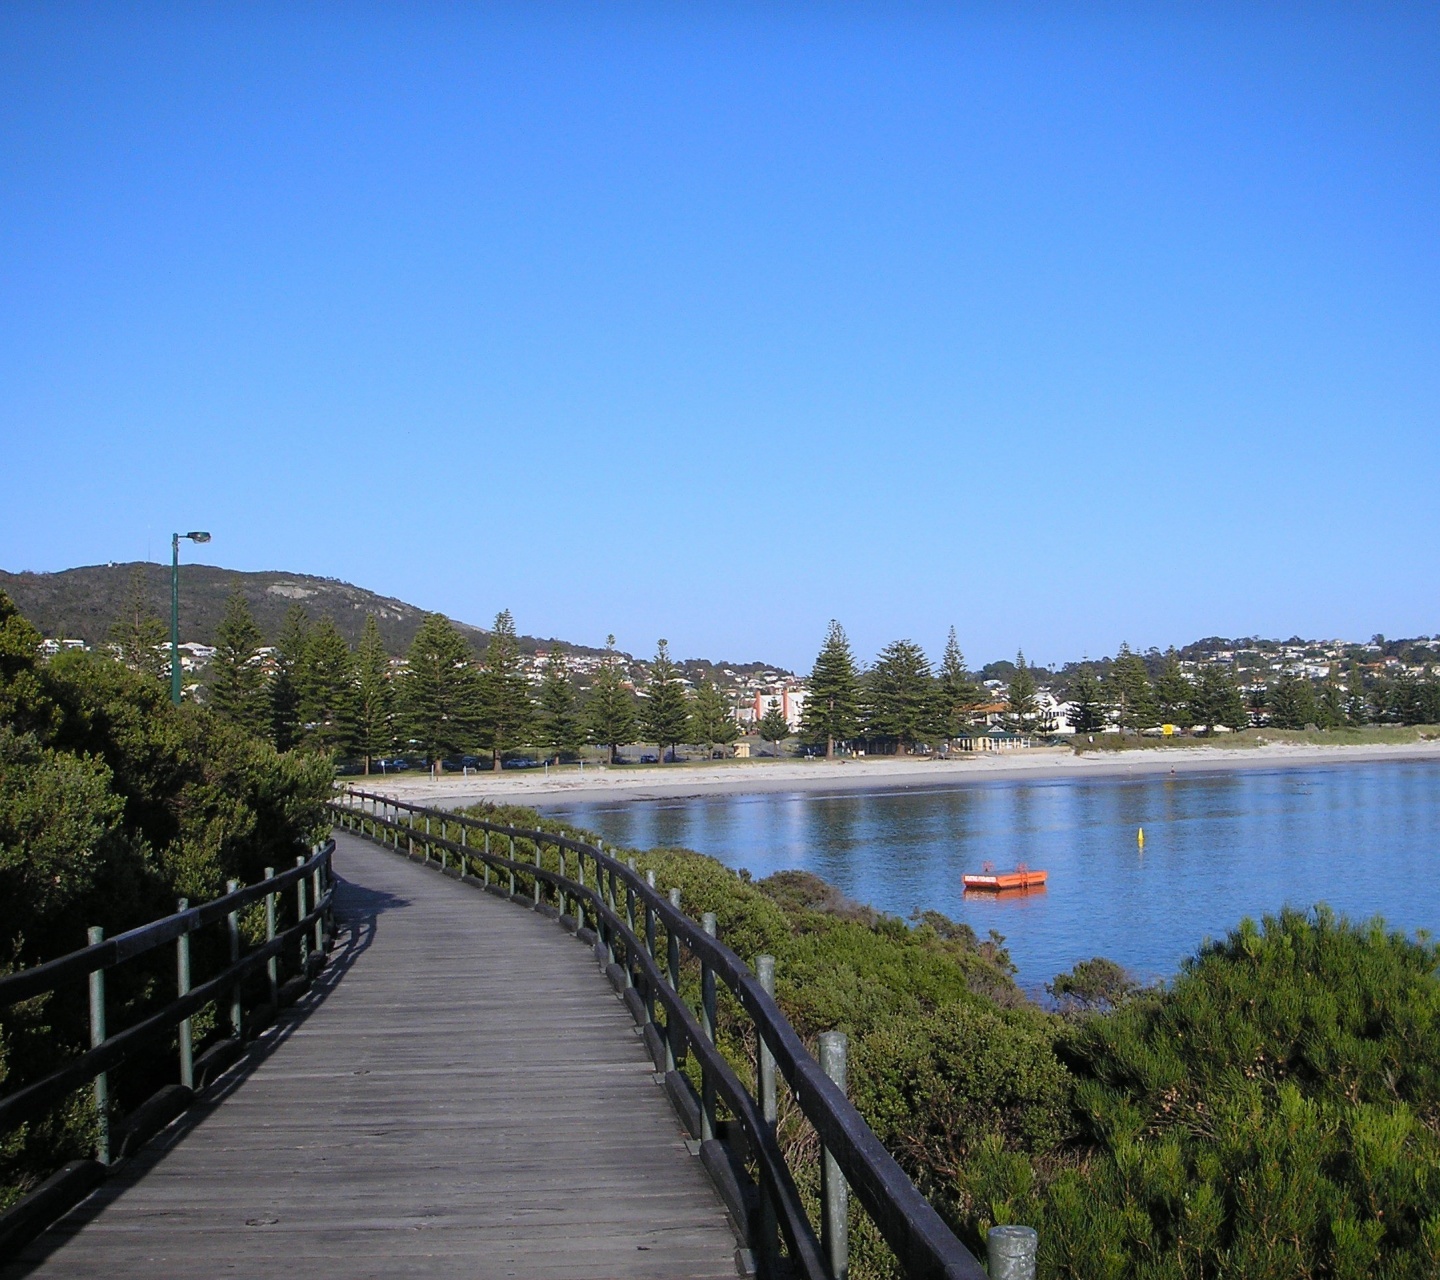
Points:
x=1140 y=837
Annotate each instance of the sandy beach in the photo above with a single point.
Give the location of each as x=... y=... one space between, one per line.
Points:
x=620 y=784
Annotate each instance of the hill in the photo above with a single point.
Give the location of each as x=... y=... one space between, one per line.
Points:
x=82 y=603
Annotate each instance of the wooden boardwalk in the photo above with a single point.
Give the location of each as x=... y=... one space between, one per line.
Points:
x=462 y=1095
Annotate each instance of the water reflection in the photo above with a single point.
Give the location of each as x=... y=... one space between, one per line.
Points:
x=1217 y=846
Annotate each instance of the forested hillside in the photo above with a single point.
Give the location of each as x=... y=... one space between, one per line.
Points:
x=83 y=603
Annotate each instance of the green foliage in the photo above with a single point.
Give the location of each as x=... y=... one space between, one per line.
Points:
x=956 y=694
x=560 y=725
x=1090 y=709
x=374 y=696
x=1172 y=693
x=665 y=714
x=773 y=726
x=610 y=708
x=438 y=691
x=285 y=679
x=900 y=696
x=832 y=706
x=1129 y=692
x=1215 y=699
x=1023 y=704
x=506 y=714
x=710 y=719
x=327 y=691
x=138 y=634
x=113 y=803
x=237 y=680
x=1292 y=703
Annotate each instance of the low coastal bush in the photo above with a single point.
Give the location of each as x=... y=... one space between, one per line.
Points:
x=1272 y=1112
x=114 y=803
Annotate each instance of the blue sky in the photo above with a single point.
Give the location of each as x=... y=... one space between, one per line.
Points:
x=1065 y=324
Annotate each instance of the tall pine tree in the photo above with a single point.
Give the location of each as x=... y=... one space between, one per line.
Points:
x=326 y=680
x=900 y=696
x=438 y=691
x=1088 y=712
x=1129 y=692
x=507 y=713
x=1173 y=693
x=138 y=634
x=832 y=705
x=560 y=726
x=237 y=681
x=610 y=708
x=290 y=649
x=1024 y=703
x=710 y=719
x=374 y=695
x=956 y=694
x=665 y=713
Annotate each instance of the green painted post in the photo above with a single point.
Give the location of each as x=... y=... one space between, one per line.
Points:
x=232 y=927
x=834 y=1194
x=97 y=1037
x=301 y=912
x=672 y=1031
x=707 y=1024
x=464 y=844
x=487 y=859
x=511 y=868
x=272 y=965
x=768 y=1244
x=650 y=946
x=629 y=924
x=537 y=871
x=182 y=987
x=318 y=886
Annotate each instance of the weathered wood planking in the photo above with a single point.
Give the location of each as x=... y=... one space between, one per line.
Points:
x=463 y=1097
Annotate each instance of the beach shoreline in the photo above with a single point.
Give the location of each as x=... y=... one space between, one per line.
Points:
x=602 y=784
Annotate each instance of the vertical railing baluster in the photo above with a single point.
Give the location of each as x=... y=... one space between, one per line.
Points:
x=649 y=946
x=537 y=871
x=301 y=912
x=834 y=1194
x=464 y=844
x=272 y=965
x=768 y=1243
x=672 y=957
x=319 y=920
x=629 y=924
x=511 y=867
x=707 y=1025
x=97 y=1037
x=232 y=928
x=487 y=859
x=182 y=986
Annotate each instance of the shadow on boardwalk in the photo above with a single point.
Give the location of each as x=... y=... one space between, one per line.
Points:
x=460 y=1095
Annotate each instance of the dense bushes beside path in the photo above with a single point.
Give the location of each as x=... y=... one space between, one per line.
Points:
x=113 y=804
x=1272 y=1113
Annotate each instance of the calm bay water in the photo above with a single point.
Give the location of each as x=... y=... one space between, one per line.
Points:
x=1364 y=838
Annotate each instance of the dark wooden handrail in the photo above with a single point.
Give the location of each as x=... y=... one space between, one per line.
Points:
x=922 y=1242
x=109 y=1051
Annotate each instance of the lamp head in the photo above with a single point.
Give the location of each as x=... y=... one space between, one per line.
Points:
x=198 y=537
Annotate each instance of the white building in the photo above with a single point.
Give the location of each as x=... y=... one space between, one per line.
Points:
x=789 y=698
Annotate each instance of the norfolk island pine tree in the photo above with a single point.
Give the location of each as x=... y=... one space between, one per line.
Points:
x=832 y=707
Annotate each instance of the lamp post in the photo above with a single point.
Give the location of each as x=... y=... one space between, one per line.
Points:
x=175 y=609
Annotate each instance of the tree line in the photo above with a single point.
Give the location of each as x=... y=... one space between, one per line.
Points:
x=447 y=702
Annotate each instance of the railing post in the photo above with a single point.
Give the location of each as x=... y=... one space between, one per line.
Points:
x=272 y=965
x=834 y=1194
x=537 y=871
x=580 y=899
x=1010 y=1252
x=301 y=912
x=319 y=920
x=768 y=1243
x=464 y=844
x=97 y=1038
x=707 y=1024
x=511 y=868
x=672 y=949
x=487 y=859
x=182 y=987
x=649 y=946
x=232 y=927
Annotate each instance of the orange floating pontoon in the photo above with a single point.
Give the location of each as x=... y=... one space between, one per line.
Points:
x=996 y=882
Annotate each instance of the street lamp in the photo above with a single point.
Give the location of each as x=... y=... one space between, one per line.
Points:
x=175 y=609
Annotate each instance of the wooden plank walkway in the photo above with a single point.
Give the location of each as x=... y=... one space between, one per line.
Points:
x=461 y=1096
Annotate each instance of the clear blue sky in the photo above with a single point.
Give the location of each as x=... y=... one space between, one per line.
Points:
x=1065 y=324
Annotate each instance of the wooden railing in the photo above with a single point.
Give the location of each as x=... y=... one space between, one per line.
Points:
x=608 y=903
x=302 y=943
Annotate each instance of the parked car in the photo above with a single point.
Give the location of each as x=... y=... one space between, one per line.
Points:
x=520 y=762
